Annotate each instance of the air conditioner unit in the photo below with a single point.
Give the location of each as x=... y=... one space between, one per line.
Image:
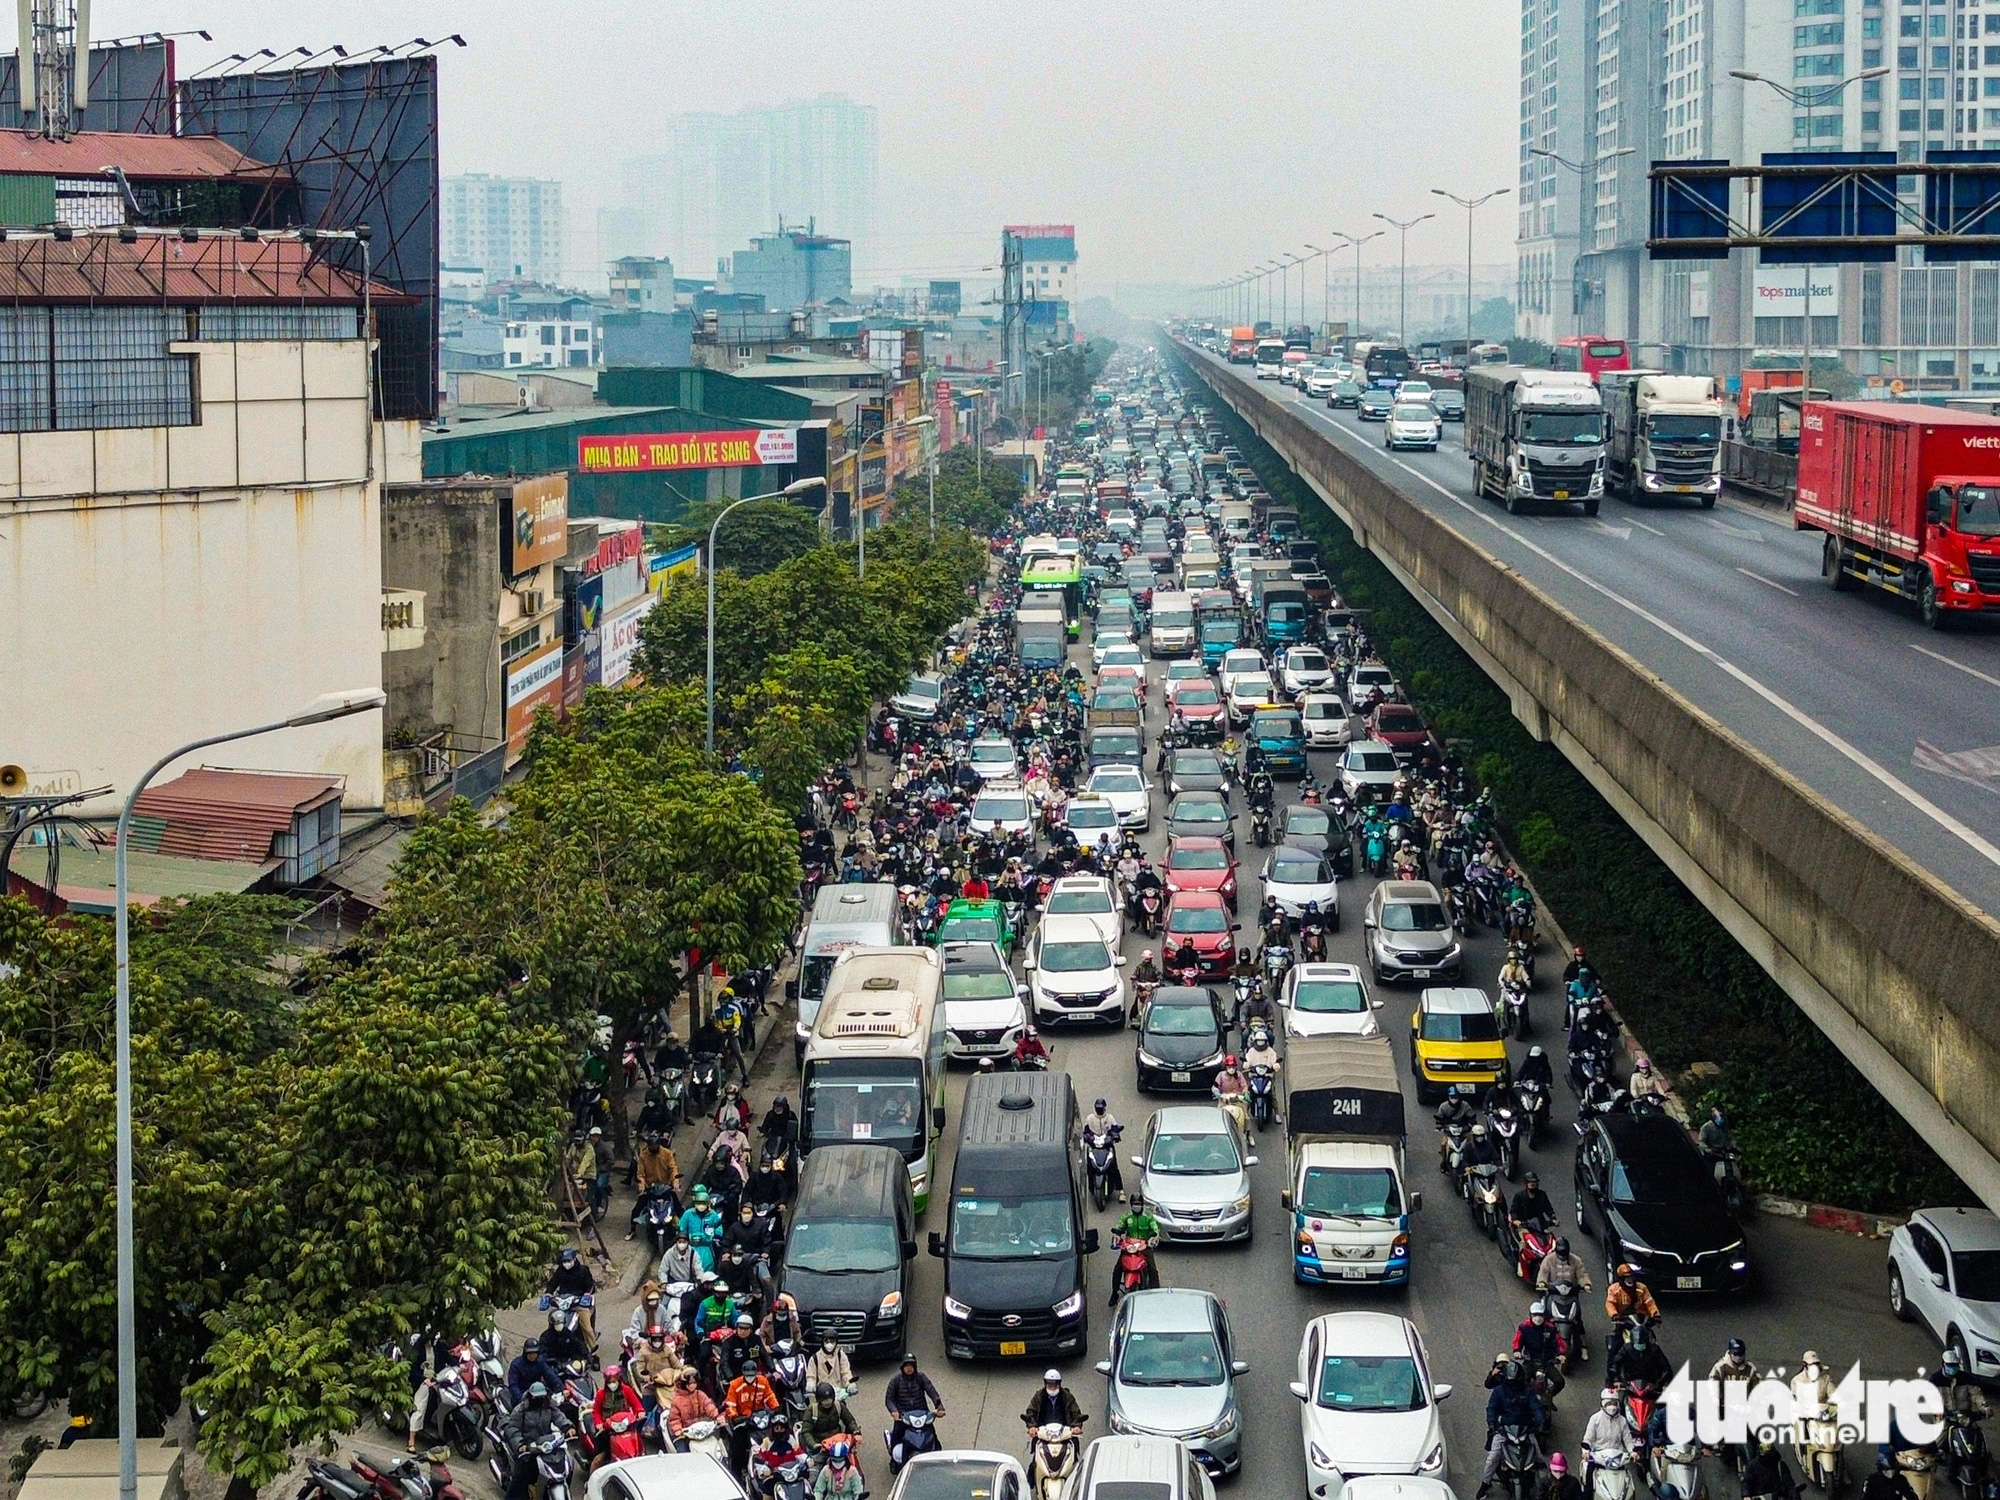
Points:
x=532 y=601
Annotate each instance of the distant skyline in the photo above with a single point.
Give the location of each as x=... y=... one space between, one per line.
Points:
x=1186 y=143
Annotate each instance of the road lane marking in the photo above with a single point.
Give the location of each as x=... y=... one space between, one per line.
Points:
x=1969 y=671
x=1644 y=527
x=1769 y=583
x=1980 y=768
x=1623 y=533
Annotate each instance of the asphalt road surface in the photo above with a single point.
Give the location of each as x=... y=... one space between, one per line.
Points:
x=1896 y=724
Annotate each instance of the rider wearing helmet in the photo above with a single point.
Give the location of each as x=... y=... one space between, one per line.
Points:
x=826 y=1415
x=1053 y=1402
x=909 y=1390
x=1100 y=1121
x=1536 y=1068
x=1531 y=1206
x=1646 y=1084
x=1030 y=1049
x=1512 y=1403
x=1627 y=1298
x=840 y=1479
x=1560 y=1484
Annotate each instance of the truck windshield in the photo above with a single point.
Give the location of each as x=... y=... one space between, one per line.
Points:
x=1173 y=617
x=1979 y=511
x=1686 y=429
x=1566 y=428
x=1352 y=1192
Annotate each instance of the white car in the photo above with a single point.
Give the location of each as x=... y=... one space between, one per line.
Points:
x=1073 y=973
x=664 y=1476
x=1296 y=878
x=1116 y=652
x=1001 y=808
x=984 y=1012
x=1369 y=764
x=1249 y=691
x=921 y=699
x=1186 y=670
x=1124 y=787
x=1326 y=719
x=1236 y=663
x=1092 y=897
x=1412 y=424
x=1301 y=669
x=1414 y=390
x=1365 y=678
x=995 y=758
x=1366 y=1401
x=1091 y=820
x=1327 y=1000
x=1944 y=1271
x=1321 y=382
x=966 y=1471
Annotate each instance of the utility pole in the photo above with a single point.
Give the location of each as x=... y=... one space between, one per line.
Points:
x=1469 y=204
x=1403 y=227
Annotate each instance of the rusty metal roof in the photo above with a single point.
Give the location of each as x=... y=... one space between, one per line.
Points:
x=142 y=158
x=163 y=267
x=231 y=815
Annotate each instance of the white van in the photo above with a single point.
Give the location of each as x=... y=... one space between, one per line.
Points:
x=844 y=917
x=1125 y=1466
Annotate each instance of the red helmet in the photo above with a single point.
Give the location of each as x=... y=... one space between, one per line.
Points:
x=1229 y=1061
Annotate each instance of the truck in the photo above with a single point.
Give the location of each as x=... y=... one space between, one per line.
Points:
x=1535 y=435
x=1238 y=520
x=1282 y=613
x=1242 y=345
x=1347 y=1181
x=1041 y=629
x=1663 y=434
x=1909 y=499
x=1264 y=572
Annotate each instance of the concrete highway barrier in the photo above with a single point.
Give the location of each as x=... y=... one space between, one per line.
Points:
x=1901 y=972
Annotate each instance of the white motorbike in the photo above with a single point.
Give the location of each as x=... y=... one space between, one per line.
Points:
x=709 y=1438
x=1053 y=1459
x=1611 y=1475
x=1679 y=1464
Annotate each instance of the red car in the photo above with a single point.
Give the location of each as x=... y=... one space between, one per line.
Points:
x=1398 y=726
x=1195 y=863
x=1200 y=917
x=1199 y=712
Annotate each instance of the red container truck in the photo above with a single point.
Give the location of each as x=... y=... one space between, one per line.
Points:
x=1909 y=499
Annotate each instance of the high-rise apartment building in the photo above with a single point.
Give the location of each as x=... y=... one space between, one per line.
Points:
x=1555 y=114
x=507 y=226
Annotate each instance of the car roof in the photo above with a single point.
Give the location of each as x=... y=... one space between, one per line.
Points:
x=1081 y=882
x=1455 y=1000
x=1383 y=745
x=1202 y=795
x=1308 y=972
x=1407 y=890
x=1000 y=784
x=1963 y=1228
x=1170 y=1309
x=1183 y=994
x=1363 y=1333
x=671 y=1476
x=1190 y=898
x=1069 y=927
x=1294 y=853
x=1192 y=1119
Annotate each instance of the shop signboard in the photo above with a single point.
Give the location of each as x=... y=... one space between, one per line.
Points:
x=538 y=523
x=621 y=639
x=662 y=452
x=533 y=682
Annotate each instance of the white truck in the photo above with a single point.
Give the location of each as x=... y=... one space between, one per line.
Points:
x=1664 y=435
x=1535 y=435
x=1348 y=1194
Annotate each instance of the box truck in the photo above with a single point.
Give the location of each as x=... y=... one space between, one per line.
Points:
x=1535 y=435
x=1347 y=1180
x=1663 y=435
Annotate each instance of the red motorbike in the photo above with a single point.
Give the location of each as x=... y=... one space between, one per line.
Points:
x=628 y=1435
x=1536 y=1246
x=1135 y=1267
x=1640 y=1397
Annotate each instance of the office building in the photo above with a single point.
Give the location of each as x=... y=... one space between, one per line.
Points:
x=510 y=227
x=792 y=269
x=1048 y=261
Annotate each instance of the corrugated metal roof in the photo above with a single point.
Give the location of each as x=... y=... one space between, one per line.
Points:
x=149 y=158
x=228 y=815
x=166 y=268
x=86 y=880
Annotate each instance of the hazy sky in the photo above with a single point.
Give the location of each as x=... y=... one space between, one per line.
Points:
x=1186 y=139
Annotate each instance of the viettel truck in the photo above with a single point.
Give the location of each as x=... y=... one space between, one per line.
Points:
x=1909 y=499
x=1347 y=1181
x=1663 y=434
x=1535 y=435
x=1242 y=345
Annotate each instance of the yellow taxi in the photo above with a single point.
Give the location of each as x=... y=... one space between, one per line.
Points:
x=1455 y=1039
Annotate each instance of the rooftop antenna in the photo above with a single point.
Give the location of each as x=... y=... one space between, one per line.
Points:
x=54 y=34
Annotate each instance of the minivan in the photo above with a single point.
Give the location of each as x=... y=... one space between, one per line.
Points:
x=1014 y=1240
x=847 y=1255
x=858 y=915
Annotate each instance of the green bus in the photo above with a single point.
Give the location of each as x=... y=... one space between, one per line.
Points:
x=1058 y=573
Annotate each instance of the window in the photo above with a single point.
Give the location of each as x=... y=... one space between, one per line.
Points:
x=1906 y=57
x=1871 y=28
x=1910 y=26
x=1871 y=57
x=1941 y=59
x=1816 y=65
x=514 y=358
x=518 y=646
x=1940 y=25
x=548 y=333
x=1871 y=119
x=1871 y=88
x=1910 y=88
x=1936 y=88
x=76 y=369
x=1935 y=120
x=1826 y=34
x=1815 y=7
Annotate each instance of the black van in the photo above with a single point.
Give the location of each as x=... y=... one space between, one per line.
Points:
x=1014 y=1242
x=854 y=1229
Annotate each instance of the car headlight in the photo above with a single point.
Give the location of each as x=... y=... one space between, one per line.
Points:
x=1147 y=1059
x=1634 y=1247
x=1319 y=1458
x=1213 y=1060
x=1433 y=1460
x=1241 y=1205
x=1119 y=1424
x=1070 y=1306
x=1222 y=1428
x=892 y=1306
x=953 y=1308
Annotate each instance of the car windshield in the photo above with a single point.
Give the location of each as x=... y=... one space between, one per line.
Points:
x=965 y=929
x=1075 y=958
x=1310 y=821
x=1323 y=708
x=1180 y=1020
x=1397 y=718
x=1091 y=815
x=1351 y=1192
x=1979 y=511
x=864 y=1099
x=1454 y=1026
x=1123 y=656
x=1686 y=429
x=1413 y=916
x=1380 y=677
x=1196 y=697
x=1198 y=919
x=948 y=1479
x=1198 y=859
x=1117 y=779
x=836 y=1246
x=1007 y=1228
x=1306 y=661
x=1411 y=413
x=1114 y=744
x=978 y=984
x=1000 y=809
x=1331 y=997
x=1197 y=763
x=1562 y=428
x=1170 y=1359
x=1284 y=726
x=1089 y=901
x=1253 y=685
x=1387 y=1382
x=925 y=688
x=1208 y=1155
x=1292 y=870
x=992 y=753
x=1200 y=812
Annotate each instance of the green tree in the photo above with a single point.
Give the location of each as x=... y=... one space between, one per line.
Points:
x=755 y=539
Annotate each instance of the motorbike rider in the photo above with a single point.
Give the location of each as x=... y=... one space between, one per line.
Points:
x=1030 y=1049
x=651 y=1313
x=1512 y=1403
x=1812 y=1403
x=747 y=1244
x=1765 y=1476
x=1261 y=1053
x=655 y=1368
x=738 y=1351
x=782 y=1322
x=909 y=1390
x=1100 y=1121
x=571 y=1277
x=1146 y=974
x=701 y=1222
x=1514 y=974
x=1627 y=1298
x=1535 y=1068
x=1640 y=1358
x=1479 y=1148
x=1559 y=1483
x=1734 y=1365
x=656 y=1165
x=1645 y=1083
x=1962 y=1394
x=679 y=1263
x=830 y=1365
x=1530 y=1207
x=1232 y=1090
x=615 y=1398
x=1185 y=961
x=1887 y=1482
x=528 y=1368
x=748 y=1394
x=827 y=1415
x=1576 y=968
x=1605 y=1432
x=1137 y=1224
x=717 y=1308
x=531 y=1421
x=1540 y=1347
x=1560 y=1266
x=1456 y=1109
x=1053 y=1402
x=840 y=1479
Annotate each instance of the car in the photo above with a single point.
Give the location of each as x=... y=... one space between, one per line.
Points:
x=961 y=1474
x=1238 y=663
x=1296 y=878
x=967 y=920
x=1320 y=383
x=1326 y=720
x=1249 y=692
x=1400 y=727
x=1944 y=1272
x=1116 y=745
x=1450 y=405
x=1091 y=819
x=1651 y=1198
x=1000 y=808
x=1095 y=897
x=1301 y=669
x=1376 y=405
x=1115 y=702
x=1367 y=1403
x=1181 y=1040
x=1196 y=768
x=1073 y=973
x=1318 y=587
x=1173 y=1370
x=1409 y=935
x=995 y=758
x=1364 y=678
x=922 y=698
x=1369 y=769
x=1197 y=863
x=1187 y=670
x=1116 y=653
x=1311 y=826
x=984 y=1010
x=1195 y=1174
x=1125 y=788
x=1124 y=678
x=1415 y=391
x=1279 y=736
x=1203 y=919
x=1455 y=1042
x=664 y=1476
x=1199 y=713
x=1412 y=424
x=1202 y=813
x=1327 y=1000
x=1344 y=393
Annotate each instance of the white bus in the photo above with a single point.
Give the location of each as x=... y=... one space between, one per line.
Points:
x=1173 y=624
x=875 y=1066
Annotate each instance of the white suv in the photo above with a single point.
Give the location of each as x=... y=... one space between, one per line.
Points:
x=1944 y=1271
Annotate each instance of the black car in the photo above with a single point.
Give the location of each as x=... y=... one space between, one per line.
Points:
x=1345 y=393
x=1374 y=405
x=1196 y=769
x=1650 y=1198
x=1181 y=1041
x=1450 y=405
x=1311 y=826
x=847 y=1253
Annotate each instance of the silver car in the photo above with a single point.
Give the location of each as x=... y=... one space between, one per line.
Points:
x=1172 y=1372
x=1195 y=1175
x=1409 y=933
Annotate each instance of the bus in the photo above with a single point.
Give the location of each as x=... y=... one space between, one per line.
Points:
x=1270 y=358
x=1592 y=353
x=1387 y=365
x=1490 y=354
x=1061 y=573
x=875 y=1067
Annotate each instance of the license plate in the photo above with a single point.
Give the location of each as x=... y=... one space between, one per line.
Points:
x=1014 y=1346
x=1685 y=489
x=1562 y=494
x=1353 y=1273
x=1183 y=1077
x=1687 y=1283
x=1420 y=973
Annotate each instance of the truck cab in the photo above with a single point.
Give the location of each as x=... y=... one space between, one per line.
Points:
x=1665 y=435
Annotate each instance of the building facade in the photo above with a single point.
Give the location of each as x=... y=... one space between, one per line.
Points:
x=1048 y=261
x=507 y=226
x=793 y=269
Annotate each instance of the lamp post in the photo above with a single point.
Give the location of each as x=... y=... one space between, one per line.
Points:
x=1300 y=262
x=791 y=491
x=326 y=707
x=1582 y=211
x=1469 y=204
x=1403 y=228
x=1810 y=97
x=1325 y=285
x=1357 y=241
x=882 y=437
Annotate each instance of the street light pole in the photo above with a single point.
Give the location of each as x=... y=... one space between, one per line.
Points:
x=1582 y=170
x=1403 y=227
x=1357 y=241
x=327 y=707
x=1469 y=204
x=795 y=488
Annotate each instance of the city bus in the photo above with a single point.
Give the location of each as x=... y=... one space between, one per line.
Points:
x=1061 y=573
x=875 y=1068
x=1593 y=354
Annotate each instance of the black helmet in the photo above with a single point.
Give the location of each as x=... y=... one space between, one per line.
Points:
x=1098 y=1105
x=909 y=1360
x=1737 y=1348
x=823 y=1391
x=1531 y=1179
x=1562 y=1246
x=532 y=1347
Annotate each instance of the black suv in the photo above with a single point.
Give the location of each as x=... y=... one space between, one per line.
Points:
x=1650 y=1198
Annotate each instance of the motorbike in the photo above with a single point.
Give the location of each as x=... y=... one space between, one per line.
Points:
x=1312 y=942
x=1919 y=1466
x=1531 y=1245
x=1142 y=996
x=554 y=1466
x=1531 y=1102
x=704 y=1086
x=1566 y=1313
x=371 y=1479
x=1375 y=846
x=1504 y=1126
x=1639 y=1398
x=791 y=1480
x=1260 y=827
x=1135 y=1263
x=1262 y=1080
x=453 y=1417
x=1277 y=959
x=1052 y=1461
x=1150 y=904
x=919 y=1436
x=1679 y=1464
x=707 y=1437
x=1523 y=953
x=1520 y=1463
x=787 y=1372
x=1611 y=1475
x=1100 y=1150
x=1729 y=1178
x=1451 y=1148
x=1246 y=986
x=1513 y=1009
x=1821 y=1456
x=628 y=1434
x=658 y=1213
x=1482 y=1191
